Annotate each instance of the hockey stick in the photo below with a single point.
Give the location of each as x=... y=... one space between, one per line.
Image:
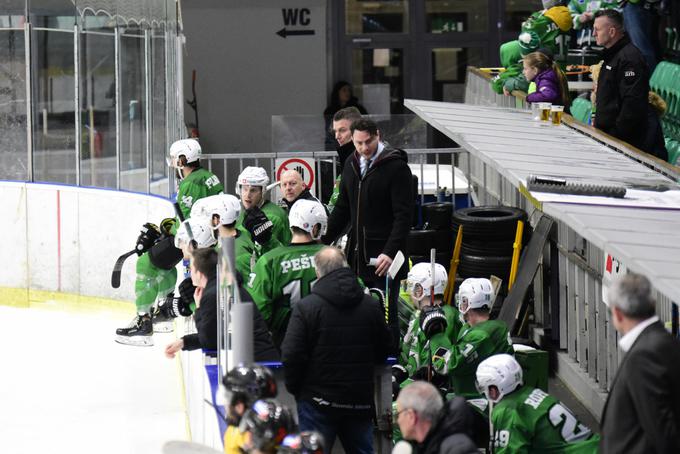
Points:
x=433 y=255
x=118 y=267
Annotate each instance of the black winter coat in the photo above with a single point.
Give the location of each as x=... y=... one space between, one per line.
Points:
x=622 y=93
x=205 y=318
x=378 y=208
x=455 y=431
x=335 y=337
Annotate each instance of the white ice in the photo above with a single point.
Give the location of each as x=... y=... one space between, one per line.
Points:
x=67 y=387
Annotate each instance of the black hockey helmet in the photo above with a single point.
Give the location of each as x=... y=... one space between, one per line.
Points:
x=249 y=382
x=268 y=423
x=302 y=443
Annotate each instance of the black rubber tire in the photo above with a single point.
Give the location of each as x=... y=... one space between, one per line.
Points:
x=487 y=248
x=419 y=242
x=438 y=215
x=477 y=266
x=443 y=241
x=489 y=223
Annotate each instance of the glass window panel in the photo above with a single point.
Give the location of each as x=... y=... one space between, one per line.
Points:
x=517 y=11
x=446 y=16
x=12 y=13
x=98 y=109
x=54 y=147
x=377 y=79
x=133 y=118
x=159 y=168
x=449 y=66
x=58 y=14
x=362 y=17
x=13 y=141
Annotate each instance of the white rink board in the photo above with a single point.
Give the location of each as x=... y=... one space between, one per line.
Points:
x=67 y=239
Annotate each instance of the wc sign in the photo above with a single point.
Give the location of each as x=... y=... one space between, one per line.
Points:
x=305 y=167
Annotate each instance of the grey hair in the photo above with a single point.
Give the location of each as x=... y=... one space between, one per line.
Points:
x=423 y=398
x=329 y=259
x=632 y=294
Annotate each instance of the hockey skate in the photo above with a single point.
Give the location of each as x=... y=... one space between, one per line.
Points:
x=138 y=333
x=162 y=316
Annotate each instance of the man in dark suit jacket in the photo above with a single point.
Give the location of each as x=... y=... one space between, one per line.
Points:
x=642 y=413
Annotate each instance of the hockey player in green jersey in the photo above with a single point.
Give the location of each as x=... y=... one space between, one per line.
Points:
x=431 y=317
x=286 y=274
x=478 y=339
x=156 y=273
x=223 y=210
x=251 y=187
x=528 y=420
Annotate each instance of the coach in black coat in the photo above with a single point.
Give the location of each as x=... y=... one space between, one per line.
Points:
x=377 y=205
x=642 y=413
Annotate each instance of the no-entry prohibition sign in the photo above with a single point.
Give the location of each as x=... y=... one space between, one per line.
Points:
x=304 y=166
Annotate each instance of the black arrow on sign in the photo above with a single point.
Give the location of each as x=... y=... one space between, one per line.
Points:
x=283 y=32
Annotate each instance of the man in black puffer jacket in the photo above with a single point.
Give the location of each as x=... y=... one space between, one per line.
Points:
x=335 y=337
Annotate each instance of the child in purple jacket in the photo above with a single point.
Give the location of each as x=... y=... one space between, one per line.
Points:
x=551 y=83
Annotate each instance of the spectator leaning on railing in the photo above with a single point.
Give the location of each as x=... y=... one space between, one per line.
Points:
x=623 y=86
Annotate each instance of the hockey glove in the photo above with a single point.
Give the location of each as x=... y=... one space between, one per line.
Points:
x=147 y=238
x=259 y=226
x=186 y=291
x=399 y=375
x=432 y=321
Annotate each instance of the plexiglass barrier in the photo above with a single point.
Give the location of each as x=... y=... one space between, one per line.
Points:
x=91 y=92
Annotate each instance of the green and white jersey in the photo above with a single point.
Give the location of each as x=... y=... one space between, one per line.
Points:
x=198 y=184
x=248 y=252
x=529 y=420
x=276 y=214
x=474 y=345
x=416 y=348
x=281 y=278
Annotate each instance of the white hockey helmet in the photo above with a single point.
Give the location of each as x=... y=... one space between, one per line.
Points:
x=305 y=214
x=189 y=148
x=201 y=233
x=421 y=274
x=474 y=293
x=226 y=206
x=502 y=371
x=252 y=176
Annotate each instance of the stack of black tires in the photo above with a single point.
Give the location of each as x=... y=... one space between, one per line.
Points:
x=436 y=233
x=488 y=237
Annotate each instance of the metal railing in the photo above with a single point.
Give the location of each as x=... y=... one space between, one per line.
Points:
x=423 y=162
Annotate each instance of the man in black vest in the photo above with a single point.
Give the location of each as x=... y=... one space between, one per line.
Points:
x=642 y=413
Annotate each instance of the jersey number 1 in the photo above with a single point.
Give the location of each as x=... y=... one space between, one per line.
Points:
x=294 y=290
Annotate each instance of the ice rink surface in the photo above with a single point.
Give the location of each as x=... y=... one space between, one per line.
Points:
x=67 y=387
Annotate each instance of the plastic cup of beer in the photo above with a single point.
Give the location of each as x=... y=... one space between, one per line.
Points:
x=544 y=109
x=556 y=114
